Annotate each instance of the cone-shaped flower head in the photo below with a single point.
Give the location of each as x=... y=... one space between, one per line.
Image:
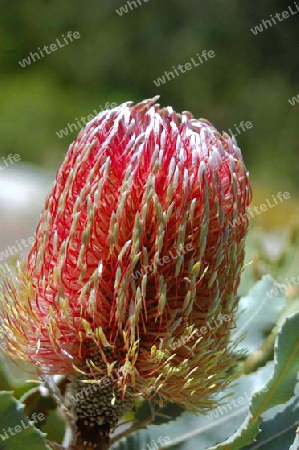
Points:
x=137 y=258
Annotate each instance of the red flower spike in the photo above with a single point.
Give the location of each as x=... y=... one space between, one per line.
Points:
x=136 y=251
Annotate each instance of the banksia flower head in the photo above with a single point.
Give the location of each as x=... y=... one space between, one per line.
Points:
x=135 y=253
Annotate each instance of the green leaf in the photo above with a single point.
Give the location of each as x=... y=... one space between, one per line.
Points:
x=258 y=313
x=34 y=401
x=16 y=432
x=277 y=428
x=295 y=444
x=53 y=424
x=278 y=390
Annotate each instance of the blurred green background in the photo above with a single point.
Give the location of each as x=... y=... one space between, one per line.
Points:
x=117 y=58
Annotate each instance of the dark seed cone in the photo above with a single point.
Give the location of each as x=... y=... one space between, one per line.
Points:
x=96 y=404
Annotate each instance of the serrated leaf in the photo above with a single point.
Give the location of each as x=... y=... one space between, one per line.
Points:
x=35 y=401
x=258 y=313
x=277 y=430
x=278 y=390
x=16 y=431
